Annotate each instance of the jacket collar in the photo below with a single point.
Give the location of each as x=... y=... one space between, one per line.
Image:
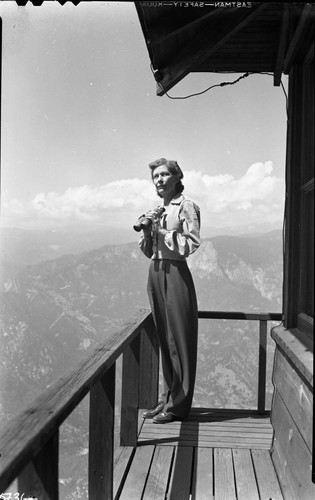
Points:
x=177 y=200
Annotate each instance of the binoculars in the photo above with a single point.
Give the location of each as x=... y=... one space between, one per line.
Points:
x=145 y=222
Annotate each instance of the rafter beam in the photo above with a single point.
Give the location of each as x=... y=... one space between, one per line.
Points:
x=281 y=47
x=306 y=18
x=159 y=34
x=200 y=48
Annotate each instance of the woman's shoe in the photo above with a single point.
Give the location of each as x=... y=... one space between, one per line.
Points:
x=164 y=418
x=154 y=411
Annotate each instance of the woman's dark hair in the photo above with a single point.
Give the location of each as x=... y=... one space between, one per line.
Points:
x=173 y=168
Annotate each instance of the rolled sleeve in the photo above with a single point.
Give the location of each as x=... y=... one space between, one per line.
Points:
x=146 y=245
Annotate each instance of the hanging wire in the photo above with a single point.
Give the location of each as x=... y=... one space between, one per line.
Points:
x=282 y=86
x=223 y=84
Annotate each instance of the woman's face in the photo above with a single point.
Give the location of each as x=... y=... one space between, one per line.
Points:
x=164 y=181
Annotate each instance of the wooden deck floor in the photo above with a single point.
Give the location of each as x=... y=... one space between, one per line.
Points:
x=213 y=455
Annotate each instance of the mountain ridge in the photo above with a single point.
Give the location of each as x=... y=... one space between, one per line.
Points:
x=55 y=312
x=78 y=300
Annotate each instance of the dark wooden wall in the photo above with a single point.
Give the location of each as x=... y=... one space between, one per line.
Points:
x=292 y=408
x=291 y=418
x=299 y=214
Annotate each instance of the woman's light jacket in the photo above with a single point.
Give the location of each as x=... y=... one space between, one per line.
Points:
x=181 y=219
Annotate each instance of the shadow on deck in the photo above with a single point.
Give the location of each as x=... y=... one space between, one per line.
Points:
x=214 y=454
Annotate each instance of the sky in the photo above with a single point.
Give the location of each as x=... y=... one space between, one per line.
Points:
x=81 y=121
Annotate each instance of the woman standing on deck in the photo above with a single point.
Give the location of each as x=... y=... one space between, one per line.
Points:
x=167 y=242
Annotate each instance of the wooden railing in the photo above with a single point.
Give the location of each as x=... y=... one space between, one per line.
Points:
x=263 y=318
x=33 y=436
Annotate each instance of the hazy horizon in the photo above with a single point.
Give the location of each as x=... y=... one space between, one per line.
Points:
x=81 y=121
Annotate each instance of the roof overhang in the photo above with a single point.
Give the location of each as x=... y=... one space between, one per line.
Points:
x=222 y=37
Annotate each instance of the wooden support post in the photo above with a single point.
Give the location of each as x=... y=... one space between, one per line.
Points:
x=149 y=367
x=281 y=46
x=101 y=437
x=262 y=365
x=39 y=479
x=130 y=394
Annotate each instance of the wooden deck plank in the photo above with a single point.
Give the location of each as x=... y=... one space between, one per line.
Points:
x=173 y=431
x=138 y=472
x=190 y=426
x=122 y=459
x=235 y=412
x=160 y=470
x=224 y=488
x=212 y=429
x=223 y=455
x=213 y=444
x=178 y=439
x=219 y=431
x=181 y=477
x=245 y=481
x=155 y=430
x=223 y=414
x=202 y=484
x=268 y=484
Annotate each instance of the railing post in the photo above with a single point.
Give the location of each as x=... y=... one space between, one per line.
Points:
x=39 y=479
x=149 y=366
x=101 y=437
x=262 y=365
x=130 y=394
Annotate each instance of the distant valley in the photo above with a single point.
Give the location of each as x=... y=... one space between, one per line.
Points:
x=56 y=311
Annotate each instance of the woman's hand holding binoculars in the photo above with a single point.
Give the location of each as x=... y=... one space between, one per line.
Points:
x=146 y=220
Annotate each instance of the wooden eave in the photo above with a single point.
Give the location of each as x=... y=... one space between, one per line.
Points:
x=264 y=37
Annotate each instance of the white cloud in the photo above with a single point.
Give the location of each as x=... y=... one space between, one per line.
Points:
x=222 y=191
x=88 y=203
x=224 y=200
x=257 y=196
